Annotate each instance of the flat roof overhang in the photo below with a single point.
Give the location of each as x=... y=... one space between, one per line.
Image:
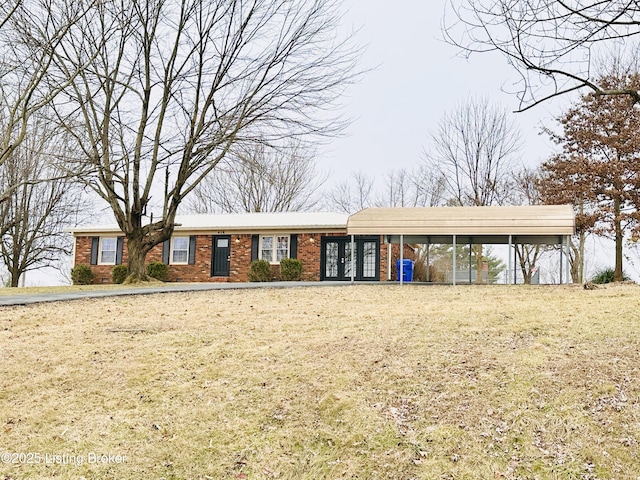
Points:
x=184 y=230
x=536 y=224
x=243 y=223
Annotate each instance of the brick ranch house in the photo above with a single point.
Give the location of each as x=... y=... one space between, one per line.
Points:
x=206 y=248
x=210 y=248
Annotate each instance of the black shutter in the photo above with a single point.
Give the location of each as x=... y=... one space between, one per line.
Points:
x=192 y=250
x=119 y=250
x=293 y=246
x=95 y=244
x=166 y=249
x=255 y=240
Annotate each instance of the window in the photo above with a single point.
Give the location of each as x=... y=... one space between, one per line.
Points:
x=108 y=248
x=274 y=248
x=180 y=250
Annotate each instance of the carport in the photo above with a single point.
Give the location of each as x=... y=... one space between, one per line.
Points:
x=495 y=225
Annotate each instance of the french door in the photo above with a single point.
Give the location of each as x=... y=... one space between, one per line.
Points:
x=340 y=259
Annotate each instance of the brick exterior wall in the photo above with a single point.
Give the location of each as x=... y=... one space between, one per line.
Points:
x=308 y=253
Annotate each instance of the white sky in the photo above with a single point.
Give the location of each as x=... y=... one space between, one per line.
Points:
x=418 y=78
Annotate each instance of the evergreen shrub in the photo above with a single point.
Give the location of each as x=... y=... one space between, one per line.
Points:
x=158 y=270
x=259 y=271
x=291 y=269
x=119 y=273
x=82 y=275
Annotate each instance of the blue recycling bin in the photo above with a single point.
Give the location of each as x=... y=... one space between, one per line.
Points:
x=407 y=270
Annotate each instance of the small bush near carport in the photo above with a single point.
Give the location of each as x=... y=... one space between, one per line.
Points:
x=606 y=276
x=158 y=270
x=119 y=273
x=82 y=275
x=259 y=271
x=290 y=269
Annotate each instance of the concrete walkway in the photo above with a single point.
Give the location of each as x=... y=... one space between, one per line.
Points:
x=29 y=298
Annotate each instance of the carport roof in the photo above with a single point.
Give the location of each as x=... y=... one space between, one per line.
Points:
x=534 y=220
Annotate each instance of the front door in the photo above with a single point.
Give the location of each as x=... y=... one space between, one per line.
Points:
x=220 y=264
x=339 y=262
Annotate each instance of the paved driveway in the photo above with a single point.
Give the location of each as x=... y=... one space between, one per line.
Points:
x=28 y=298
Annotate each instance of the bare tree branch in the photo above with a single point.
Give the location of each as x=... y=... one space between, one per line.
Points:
x=31 y=34
x=352 y=194
x=474 y=149
x=261 y=179
x=551 y=44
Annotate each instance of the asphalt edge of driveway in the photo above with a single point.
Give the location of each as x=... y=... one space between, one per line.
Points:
x=29 y=299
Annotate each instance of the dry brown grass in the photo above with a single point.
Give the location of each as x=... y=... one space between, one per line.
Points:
x=365 y=382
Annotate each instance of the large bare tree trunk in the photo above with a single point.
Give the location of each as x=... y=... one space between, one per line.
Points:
x=137 y=258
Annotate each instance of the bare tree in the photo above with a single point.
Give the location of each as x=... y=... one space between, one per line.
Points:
x=352 y=194
x=415 y=187
x=261 y=179
x=39 y=204
x=551 y=44
x=176 y=86
x=528 y=189
x=524 y=191
x=474 y=150
x=31 y=32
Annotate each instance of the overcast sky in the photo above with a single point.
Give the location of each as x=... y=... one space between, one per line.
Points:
x=418 y=78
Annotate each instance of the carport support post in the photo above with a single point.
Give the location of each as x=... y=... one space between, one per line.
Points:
x=470 y=249
x=509 y=264
x=353 y=259
x=561 y=259
x=428 y=250
x=515 y=263
x=389 y=252
x=568 y=259
x=454 y=259
x=401 y=259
